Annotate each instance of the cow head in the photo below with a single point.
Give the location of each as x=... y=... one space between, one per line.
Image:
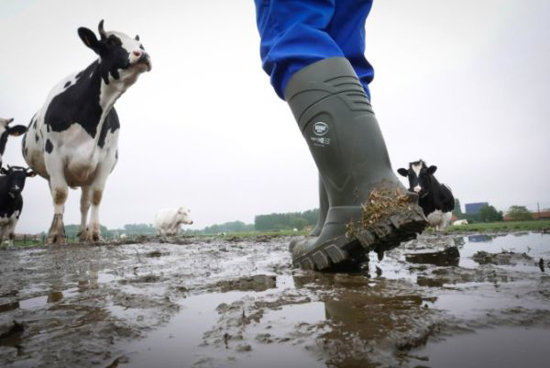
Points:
x=121 y=58
x=184 y=216
x=420 y=177
x=6 y=131
x=16 y=178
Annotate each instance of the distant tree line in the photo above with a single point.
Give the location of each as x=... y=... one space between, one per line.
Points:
x=286 y=221
x=296 y=220
x=229 y=227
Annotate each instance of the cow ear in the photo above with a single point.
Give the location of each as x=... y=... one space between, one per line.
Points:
x=89 y=38
x=3 y=171
x=403 y=172
x=432 y=169
x=17 y=130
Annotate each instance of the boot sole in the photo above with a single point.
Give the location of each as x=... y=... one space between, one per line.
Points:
x=385 y=235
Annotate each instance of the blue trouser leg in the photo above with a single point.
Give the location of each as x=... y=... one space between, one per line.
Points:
x=348 y=31
x=297 y=33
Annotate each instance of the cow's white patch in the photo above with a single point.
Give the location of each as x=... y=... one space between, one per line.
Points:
x=416 y=168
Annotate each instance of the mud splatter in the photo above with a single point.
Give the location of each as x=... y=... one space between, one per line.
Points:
x=215 y=302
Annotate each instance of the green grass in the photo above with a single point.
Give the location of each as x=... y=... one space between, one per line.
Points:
x=503 y=226
x=254 y=234
x=538 y=225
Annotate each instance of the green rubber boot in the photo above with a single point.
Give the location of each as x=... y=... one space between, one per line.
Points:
x=338 y=123
x=323 y=209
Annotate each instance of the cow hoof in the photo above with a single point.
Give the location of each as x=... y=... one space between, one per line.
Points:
x=82 y=236
x=94 y=238
x=56 y=240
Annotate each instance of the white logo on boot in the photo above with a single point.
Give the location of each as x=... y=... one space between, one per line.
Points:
x=320 y=128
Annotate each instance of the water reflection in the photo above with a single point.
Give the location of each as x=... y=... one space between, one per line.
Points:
x=55 y=296
x=481 y=238
x=367 y=316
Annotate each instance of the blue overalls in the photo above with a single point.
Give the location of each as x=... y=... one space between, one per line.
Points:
x=297 y=33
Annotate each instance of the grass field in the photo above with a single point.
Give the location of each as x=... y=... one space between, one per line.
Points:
x=503 y=226
x=538 y=225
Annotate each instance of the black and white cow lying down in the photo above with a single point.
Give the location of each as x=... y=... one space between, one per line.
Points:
x=72 y=141
x=12 y=183
x=435 y=199
x=6 y=131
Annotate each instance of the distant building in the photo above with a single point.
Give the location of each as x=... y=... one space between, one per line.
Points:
x=541 y=215
x=473 y=208
x=535 y=215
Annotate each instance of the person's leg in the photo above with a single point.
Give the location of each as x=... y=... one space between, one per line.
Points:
x=293 y=35
x=308 y=69
x=347 y=29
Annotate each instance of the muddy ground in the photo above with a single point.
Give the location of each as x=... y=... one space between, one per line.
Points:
x=484 y=301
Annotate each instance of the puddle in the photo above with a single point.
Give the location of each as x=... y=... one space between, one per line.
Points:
x=488 y=348
x=218 y=303
x=535 y=245
x=181 y=343
x=52 y=297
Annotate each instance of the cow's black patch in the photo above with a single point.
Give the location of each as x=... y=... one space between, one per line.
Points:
x=110 y=125
x=10 y=203
x=67 y=84
x=3 y=141
x=80 y=103
x=49 y=146
x=36 y=138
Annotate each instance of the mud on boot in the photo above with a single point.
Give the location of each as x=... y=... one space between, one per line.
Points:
x=387 y=219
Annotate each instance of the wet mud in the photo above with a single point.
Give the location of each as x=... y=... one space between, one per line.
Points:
x=440 y=300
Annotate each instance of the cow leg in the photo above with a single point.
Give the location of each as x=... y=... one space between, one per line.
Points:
x=2 y=230
x=96 y=194
x=84 y=207
x=94 y=229
x=11 y=233
x=59 y=191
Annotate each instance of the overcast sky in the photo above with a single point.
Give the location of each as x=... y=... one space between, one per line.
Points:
x=463 y=85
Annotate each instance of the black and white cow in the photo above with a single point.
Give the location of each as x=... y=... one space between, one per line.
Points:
x=12 y=183
x=436 y=199
x=73 y=140
x=6 y=131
